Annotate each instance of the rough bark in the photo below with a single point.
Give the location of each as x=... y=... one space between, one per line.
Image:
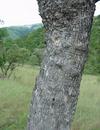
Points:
x=67 y=24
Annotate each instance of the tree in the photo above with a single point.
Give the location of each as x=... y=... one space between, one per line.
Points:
x=36 y=56
x=67 y=26
x=11 y=55
x=3 y=33
x=35 y=39
x=10 y=58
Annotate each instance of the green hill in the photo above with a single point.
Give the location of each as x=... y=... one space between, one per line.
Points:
x=16 y=32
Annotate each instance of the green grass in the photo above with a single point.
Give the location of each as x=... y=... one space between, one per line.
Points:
x=15 y=96
x=87 y=116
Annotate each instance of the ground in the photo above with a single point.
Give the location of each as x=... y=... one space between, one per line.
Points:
x=15 y=96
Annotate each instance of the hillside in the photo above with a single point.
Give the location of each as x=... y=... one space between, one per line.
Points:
x=16 y=32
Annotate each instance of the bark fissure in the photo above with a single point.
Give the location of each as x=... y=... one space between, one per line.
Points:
x=67 y=24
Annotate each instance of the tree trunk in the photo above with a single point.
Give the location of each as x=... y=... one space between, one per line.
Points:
x=67 y=24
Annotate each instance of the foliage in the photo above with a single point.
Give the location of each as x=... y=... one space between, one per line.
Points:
x=3 y=33
x=11 y=55
x=13 y=52
x=34 y=42
x=37 y=54
x=33 y=60
x=10 y=58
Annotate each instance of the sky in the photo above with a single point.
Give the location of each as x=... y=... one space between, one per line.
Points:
x=23 y=12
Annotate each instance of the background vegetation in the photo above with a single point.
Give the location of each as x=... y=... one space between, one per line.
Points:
x=32 y=38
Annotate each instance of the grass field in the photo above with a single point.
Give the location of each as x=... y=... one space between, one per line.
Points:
x=15 y=95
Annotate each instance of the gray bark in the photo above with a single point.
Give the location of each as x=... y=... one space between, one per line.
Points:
x=67 y=24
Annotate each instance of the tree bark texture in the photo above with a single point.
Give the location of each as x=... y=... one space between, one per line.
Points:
x=68 y=25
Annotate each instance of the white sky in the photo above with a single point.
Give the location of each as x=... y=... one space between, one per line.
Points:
x=22 y=12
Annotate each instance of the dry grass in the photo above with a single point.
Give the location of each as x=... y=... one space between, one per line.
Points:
x=15 y=97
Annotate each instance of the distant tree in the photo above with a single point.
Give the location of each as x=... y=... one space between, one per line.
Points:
x=37 y=56
x=11 y=55
x=35 y=40
x=3 y=33
x=10 y=58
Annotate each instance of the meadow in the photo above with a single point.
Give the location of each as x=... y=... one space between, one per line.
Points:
x=16 y=92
